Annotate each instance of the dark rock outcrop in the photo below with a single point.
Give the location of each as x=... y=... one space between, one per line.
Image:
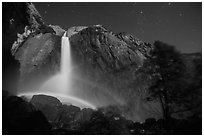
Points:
x=16 y=16
x=47 y=105
x=21 y=118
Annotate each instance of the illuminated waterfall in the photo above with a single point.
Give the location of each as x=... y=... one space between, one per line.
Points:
x=65 y=70
x=65 y=56
x=61 y=82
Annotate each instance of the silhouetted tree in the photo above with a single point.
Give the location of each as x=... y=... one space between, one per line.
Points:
x=166 y=69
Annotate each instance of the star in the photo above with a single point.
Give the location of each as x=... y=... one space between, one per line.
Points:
x=48 y=5
x=141 y=12
x=180 y=14
x=45 y=12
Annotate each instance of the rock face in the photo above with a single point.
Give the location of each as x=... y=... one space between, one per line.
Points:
x=21 y=21
x=108 y=63
x=15 y=17
x=109 y=52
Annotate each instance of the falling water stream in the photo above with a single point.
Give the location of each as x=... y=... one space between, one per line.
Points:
x=65 y=69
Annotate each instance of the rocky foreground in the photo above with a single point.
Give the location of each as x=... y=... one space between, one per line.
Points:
x=47 y=115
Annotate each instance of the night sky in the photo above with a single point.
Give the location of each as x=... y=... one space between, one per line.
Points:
x=178 y=24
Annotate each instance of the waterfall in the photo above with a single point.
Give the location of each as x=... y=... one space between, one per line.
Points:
x=61 y=82
x=65 y=69
x=65 y=55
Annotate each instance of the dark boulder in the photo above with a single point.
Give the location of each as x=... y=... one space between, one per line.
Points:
x=21 y=118
x=48 y=105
